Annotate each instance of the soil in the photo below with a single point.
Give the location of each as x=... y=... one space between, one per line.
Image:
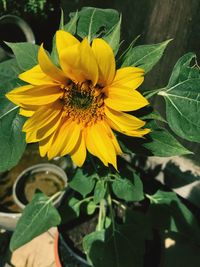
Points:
x=45 y=181
x=31 y=157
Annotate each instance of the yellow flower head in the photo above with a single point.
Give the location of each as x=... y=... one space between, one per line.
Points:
x=74 y=108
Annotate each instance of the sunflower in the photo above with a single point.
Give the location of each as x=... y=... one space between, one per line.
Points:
x=76 y=107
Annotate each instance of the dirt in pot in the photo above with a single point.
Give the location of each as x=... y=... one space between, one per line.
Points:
x=70 y=244
x=7 y=179
x=47 y=182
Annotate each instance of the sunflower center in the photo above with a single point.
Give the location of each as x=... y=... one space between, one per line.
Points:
x=83 y=102
x=80 y=98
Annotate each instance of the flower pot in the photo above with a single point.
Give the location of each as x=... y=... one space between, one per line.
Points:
x=65 y=255
x=46 y=177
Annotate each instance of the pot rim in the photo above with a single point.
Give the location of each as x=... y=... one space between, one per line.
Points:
x=59 y=237
x=52 y=167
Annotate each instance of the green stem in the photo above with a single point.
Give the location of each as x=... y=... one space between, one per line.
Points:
x=150 y=93
x=119 y=204
x=102 y=215
x=112 y=216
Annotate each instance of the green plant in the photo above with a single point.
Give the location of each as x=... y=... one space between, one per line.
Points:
x=128 y=213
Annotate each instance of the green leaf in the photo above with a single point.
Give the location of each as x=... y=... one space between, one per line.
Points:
x=183 y=71
x=182 y=108
x=162 y=143
x=128 y=189
x=75 y=204
x=71 y=25
x=119 y=245
x=37 y=218
x=91 y=207
x=183 y=100
x=99 y=191
x=26 y=54
x=12 y=139
x=154 y=115
x=168 y=213
x=113 y=37
x=95 y=21
x=145 y=56
x=82 y=182
x=9 y=72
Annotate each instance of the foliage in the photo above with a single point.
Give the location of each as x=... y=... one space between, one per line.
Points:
x=119 y=240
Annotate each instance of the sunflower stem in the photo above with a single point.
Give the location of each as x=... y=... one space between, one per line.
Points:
x=102 y=215
x=150 y=93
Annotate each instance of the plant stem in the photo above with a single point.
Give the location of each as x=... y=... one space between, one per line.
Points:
x=102 y=215
x=111 y=211
x=150 y=93
x=119 y=204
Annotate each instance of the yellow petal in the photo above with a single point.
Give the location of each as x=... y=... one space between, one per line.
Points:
x=79 y=63
x=43 y=132
x=64 y=39
x=70 y=63
x=57 y=141
x=113 y=138
x=36 y=76
x=49 y=68
x=78 y=154
x=37 y=95
x=105 y=60
x=130 y=77
x=26 y=113
x=100 y=144
x=65 y=139
x=125 y=123
x=42 y=116
x=124 y=99
x=88 y=62
x=45 y=144
x=71 y=141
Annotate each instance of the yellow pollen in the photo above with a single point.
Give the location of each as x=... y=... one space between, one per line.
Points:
x=83 y=102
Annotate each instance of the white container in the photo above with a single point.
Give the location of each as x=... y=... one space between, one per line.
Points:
x=8 y=221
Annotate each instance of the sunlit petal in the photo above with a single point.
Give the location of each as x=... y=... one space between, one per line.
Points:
x=49 y=68
x=123 y=99
x=105 y=60
x=36 y=76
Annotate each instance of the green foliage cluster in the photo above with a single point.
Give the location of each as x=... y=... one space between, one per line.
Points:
x=117 y=241
x=36 y=7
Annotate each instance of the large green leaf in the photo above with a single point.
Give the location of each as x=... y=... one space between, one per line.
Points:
x=168 y=213
x=162 y=143
x=183 y=71
x=37 y=218
x=183 y=107
x=9 y=72
x=113 y=37
x=82 y=182
x=144 y=56
x=26 y=54
x=95 y=21
x=12 y=139
x=71 y=25
x=128 y=189
x=182 y=97
x=119 y=245
x=99 y=191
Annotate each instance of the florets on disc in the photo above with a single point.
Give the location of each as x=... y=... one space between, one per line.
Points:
x=83 y=102
x=69 y=112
